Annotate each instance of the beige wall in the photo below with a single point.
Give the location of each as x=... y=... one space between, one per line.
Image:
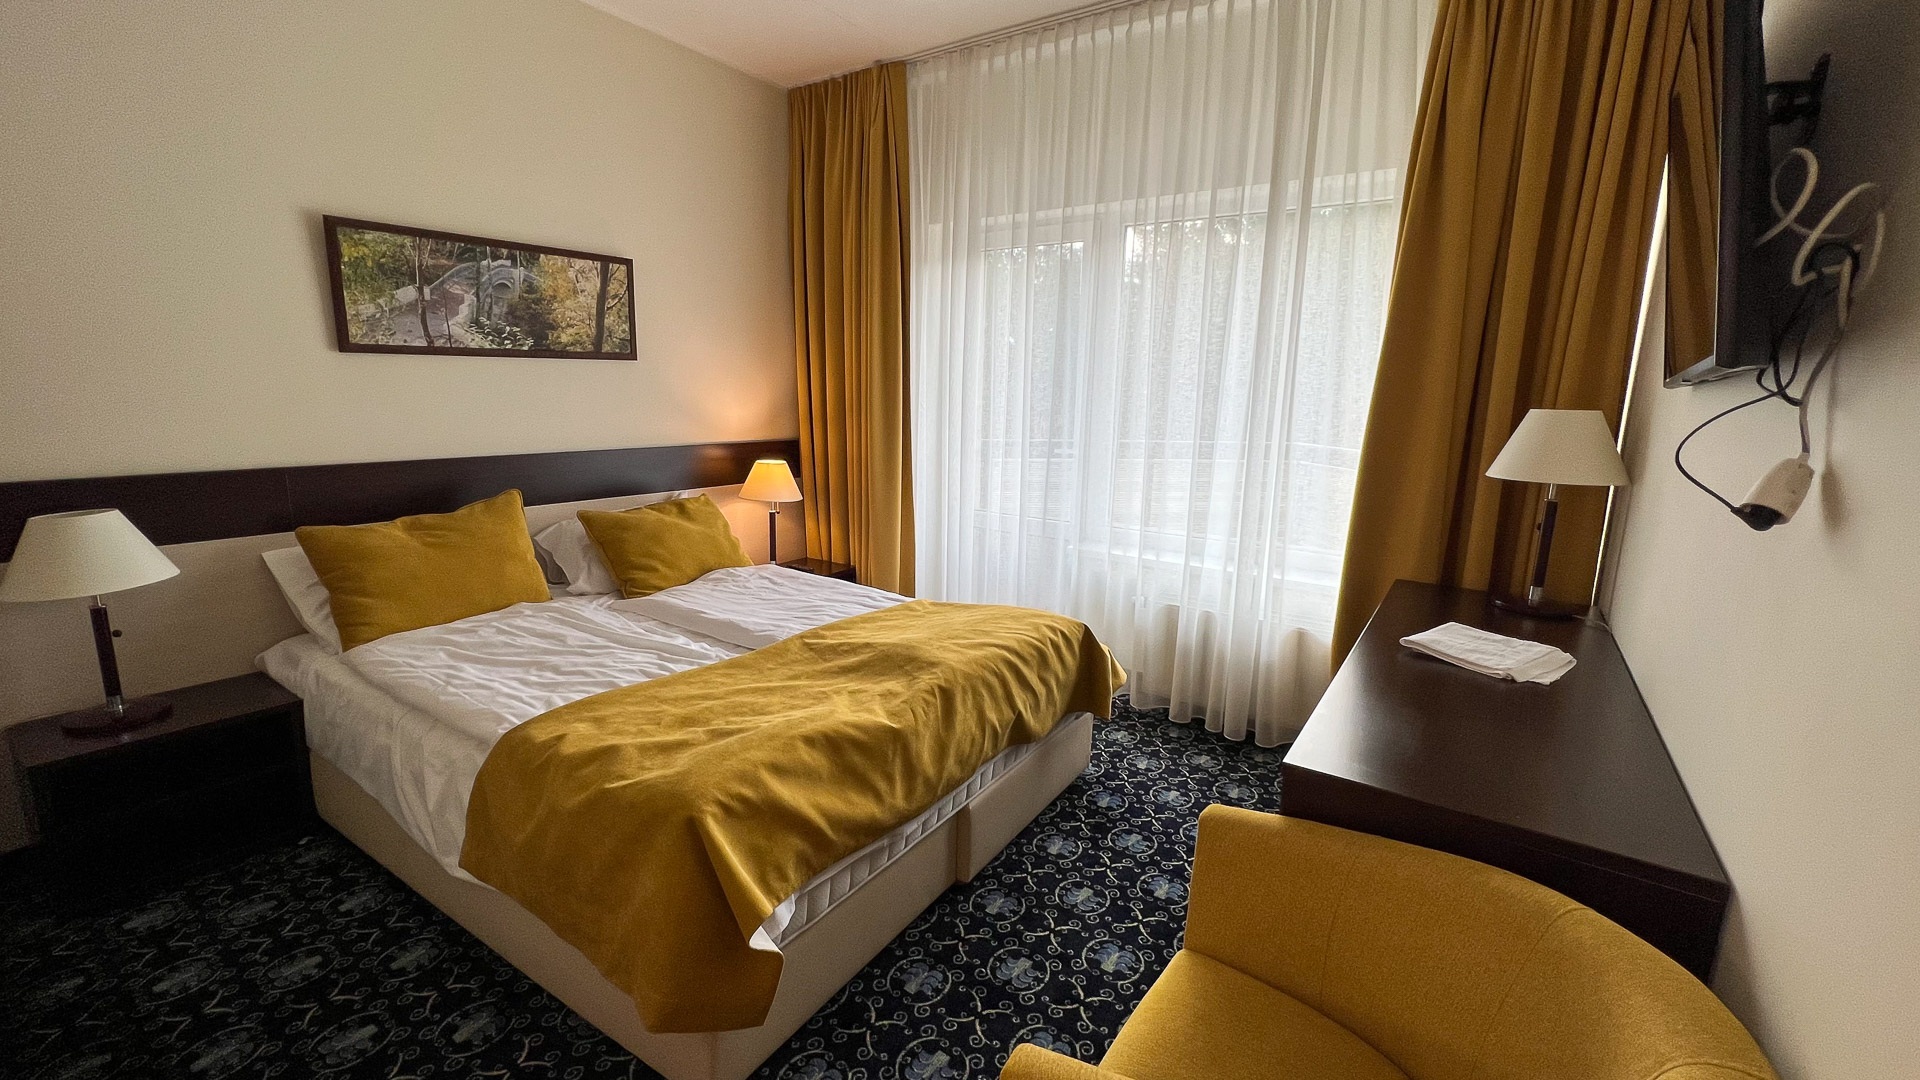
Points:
x=165 y=167
x=163 y=290
x=1784 y=667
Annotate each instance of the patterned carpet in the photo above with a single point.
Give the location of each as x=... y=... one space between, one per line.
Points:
x=312 y=960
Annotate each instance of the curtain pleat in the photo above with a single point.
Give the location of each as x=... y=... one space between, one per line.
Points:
x=1531 y=193
x=848 y=204
x=1152 y=247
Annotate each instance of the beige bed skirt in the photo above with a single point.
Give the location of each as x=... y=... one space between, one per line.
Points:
x=819 y=961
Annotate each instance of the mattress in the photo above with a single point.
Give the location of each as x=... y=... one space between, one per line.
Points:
x=412 y=722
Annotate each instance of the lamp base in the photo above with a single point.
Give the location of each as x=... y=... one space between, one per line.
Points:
x=97 y=722
x=1545 y=609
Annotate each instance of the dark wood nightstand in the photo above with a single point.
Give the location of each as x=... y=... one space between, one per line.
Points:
x=225 y=773
x=823 y=567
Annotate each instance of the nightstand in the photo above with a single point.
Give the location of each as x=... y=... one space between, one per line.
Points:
x=227 y=772
x=823 y=567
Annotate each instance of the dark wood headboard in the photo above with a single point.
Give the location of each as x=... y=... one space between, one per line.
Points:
x=182 y=508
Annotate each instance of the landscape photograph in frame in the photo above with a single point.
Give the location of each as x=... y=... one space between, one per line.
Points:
x=398 y=289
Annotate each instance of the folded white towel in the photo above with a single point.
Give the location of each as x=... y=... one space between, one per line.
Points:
x=1492 y=654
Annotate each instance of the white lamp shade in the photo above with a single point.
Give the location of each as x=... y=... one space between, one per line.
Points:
x=82 y=553
x=1561 y=446
x=770 y=481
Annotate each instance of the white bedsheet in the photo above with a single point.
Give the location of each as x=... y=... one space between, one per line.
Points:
x=486 y=675
x=411 y=717
x=755 y=606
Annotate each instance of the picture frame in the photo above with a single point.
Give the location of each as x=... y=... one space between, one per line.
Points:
x=400 y=289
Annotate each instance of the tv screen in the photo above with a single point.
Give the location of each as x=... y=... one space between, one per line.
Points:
x=1718 y=318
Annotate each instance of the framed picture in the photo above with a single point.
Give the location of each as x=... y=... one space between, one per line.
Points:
x=403 y=290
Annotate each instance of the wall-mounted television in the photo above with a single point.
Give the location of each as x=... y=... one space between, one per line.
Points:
x=1718 y=287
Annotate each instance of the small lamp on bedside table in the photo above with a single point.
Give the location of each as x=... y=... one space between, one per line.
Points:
x=771 y=482
x=88 y=553
x=1555 y=447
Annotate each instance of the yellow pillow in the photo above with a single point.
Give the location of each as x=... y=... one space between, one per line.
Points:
x=425 y=569
x=663 y=544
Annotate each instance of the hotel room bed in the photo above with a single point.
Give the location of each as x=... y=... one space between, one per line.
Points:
x=399 y=728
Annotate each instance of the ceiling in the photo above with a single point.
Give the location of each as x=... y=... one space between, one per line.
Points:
x=790 y=42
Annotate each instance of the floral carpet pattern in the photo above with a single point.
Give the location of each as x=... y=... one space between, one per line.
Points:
x=311 y=960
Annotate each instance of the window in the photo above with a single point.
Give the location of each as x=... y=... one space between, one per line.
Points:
x=1148 y=290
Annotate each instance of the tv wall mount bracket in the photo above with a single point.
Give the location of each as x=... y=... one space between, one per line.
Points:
x=1799 y=99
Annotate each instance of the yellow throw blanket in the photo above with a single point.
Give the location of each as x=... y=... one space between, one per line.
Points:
x=655 y=827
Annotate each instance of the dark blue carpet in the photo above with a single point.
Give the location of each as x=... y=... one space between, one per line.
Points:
x=312 y=960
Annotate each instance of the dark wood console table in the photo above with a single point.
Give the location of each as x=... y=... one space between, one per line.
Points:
x=1569 y=784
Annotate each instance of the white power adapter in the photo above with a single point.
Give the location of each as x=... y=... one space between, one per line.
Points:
x=1776 y=495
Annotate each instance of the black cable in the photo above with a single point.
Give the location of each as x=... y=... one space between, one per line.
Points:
x=1678 y=464
x=1777 y=390
x=1827 y=357
x=1781 y=383
x=1802 y=318
x=1799 y=356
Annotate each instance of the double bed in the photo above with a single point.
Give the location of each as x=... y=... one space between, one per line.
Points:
x=400 y=727
x=408 y=720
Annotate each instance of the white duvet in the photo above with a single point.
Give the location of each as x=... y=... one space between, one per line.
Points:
x=479 y=678
x=755 y=606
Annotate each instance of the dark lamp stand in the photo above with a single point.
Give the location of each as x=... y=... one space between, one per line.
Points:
x=116 y=714
x=773 y=533
x=1535 y=604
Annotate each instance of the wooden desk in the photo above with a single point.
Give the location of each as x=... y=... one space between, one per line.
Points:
x=1569 y=784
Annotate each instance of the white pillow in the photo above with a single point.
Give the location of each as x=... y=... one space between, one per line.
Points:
x=566 y=542
x=305 y=595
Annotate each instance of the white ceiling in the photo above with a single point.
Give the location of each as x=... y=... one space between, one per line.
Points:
x=790 y=42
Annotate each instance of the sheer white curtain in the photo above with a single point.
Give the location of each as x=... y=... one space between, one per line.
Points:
x=1151 y=249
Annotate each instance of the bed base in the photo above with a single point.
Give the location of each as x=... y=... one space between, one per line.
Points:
x=819 y=960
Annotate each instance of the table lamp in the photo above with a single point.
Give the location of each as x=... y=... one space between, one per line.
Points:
x=88 y=553
x=1556 y=447
x=771 y=482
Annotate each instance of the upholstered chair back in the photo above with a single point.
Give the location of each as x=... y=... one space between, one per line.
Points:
x=1451 y=969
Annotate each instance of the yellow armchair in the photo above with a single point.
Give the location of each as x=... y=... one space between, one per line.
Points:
x=1315 y=952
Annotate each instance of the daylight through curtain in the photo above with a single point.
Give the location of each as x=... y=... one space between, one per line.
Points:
x=1151 y=249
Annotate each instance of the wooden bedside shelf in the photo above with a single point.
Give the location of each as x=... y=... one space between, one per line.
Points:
x=824 y=568
x=226 y=773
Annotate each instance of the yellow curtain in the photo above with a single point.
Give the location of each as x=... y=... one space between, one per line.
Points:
x=1530 y=201
x=848 y=200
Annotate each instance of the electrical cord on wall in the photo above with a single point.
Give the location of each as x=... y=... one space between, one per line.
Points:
x=1828 y=265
